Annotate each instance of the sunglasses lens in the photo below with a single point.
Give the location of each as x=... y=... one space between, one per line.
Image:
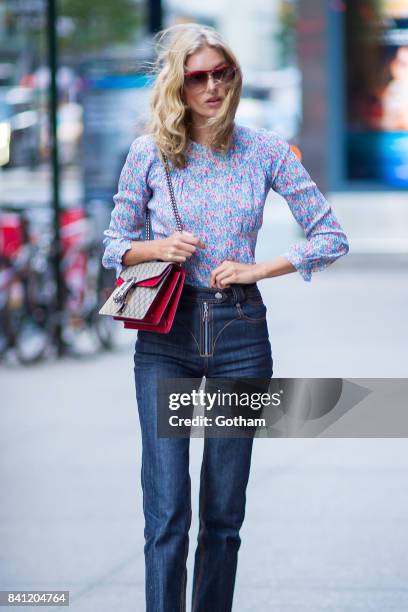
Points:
x=224 y=74
x=198 y=79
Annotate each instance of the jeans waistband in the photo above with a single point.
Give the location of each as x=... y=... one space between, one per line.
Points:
x=234 y=294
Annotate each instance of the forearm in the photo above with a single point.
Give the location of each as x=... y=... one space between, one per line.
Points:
x=142 y=250
x=277 y=267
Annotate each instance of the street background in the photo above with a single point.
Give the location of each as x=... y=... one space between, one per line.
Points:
x=325 y=526
x=325 y=518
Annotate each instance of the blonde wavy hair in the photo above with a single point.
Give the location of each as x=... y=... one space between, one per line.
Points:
x=170 y=117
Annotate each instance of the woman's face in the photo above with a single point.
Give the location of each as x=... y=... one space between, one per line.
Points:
x=199 y=98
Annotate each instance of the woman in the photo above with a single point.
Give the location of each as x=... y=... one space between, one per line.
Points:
x=221 y=173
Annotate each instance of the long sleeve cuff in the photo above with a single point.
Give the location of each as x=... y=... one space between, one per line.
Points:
x=302 y=266
x=317 y=253
x=114 y=251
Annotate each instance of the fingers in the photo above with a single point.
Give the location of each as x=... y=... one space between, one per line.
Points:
x=223 y=279
x=179 y=246
x=182 y=245
x=219 y=272
x=179 y=258
x=189 y=238
x=174 y=253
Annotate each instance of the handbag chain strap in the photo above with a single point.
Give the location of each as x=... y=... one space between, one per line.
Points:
x=173 y=202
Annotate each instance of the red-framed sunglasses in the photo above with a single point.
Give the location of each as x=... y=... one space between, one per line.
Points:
x=199 y=78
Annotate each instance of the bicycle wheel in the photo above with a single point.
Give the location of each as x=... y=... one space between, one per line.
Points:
x=29 y=322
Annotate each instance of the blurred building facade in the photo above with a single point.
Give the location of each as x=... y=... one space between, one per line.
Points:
x=329 y=76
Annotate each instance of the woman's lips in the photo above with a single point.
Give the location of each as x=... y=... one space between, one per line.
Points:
x=214 y=102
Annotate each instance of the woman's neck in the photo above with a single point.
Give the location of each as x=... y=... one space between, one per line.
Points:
x=200 y=134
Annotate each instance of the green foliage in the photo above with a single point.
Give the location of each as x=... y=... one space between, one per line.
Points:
x=96 y=25
x=287 y=32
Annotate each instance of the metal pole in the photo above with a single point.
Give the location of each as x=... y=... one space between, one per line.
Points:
x=155 y=16
x=53 y=106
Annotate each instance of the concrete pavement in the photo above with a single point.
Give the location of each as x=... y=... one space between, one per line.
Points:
x=325 y=525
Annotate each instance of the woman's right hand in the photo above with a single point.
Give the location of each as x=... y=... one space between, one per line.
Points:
x=178 y=247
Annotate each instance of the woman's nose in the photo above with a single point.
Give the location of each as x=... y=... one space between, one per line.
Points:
x=211 y=83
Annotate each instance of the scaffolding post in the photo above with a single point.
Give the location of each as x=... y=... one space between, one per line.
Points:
x=53 y=107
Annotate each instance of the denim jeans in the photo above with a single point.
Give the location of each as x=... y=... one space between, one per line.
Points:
x=216 y=333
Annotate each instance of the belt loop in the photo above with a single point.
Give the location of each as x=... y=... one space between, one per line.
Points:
x=242 y=294
x=238 y=293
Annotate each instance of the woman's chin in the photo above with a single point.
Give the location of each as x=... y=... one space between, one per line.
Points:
x=210 y=112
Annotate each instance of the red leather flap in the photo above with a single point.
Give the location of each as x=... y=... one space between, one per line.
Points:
x=166 y=322
x=148 y=282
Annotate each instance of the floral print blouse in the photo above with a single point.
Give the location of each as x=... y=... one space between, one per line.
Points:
x=220 y=198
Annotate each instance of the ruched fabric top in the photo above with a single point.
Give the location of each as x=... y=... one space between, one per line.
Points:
x=220 y=198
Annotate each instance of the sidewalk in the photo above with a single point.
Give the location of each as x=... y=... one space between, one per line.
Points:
x=325 y=526
x=350 y=320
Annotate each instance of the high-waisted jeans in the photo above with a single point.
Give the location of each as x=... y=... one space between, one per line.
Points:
x=216 y=334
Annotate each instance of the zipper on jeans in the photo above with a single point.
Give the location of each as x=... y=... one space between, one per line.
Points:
x=205 y=321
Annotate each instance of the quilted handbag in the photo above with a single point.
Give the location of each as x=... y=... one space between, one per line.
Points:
x=147 y=294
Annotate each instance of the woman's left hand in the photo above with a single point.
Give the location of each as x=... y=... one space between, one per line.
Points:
x=234 y=272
